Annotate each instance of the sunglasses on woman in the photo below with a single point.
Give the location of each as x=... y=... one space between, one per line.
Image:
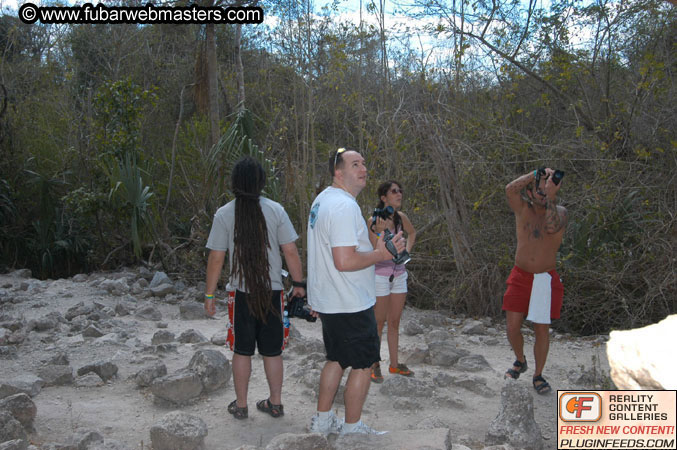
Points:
x=396 y=191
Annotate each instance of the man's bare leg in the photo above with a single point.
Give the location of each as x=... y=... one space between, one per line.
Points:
x=330 y=378
x=541 y=346
x=274 y=374
x=514 y=330
x=242 y=369
x=357 y=387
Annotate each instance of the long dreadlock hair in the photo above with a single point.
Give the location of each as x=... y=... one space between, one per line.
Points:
x=250 y=237
x=383 y=191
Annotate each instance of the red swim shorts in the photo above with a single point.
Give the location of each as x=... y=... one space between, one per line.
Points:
x=525 y=296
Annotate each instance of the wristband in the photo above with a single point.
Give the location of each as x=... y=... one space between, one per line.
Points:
x=209 y=296
x=301 y=284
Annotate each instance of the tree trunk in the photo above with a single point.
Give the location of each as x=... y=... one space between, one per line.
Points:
x=239 y=69
x=212 y=85
x=452 y=200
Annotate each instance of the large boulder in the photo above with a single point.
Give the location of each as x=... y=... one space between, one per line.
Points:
x=10 y=428
x=213 y=368
x=106 y=370
x=26 y=383
x=289 y=441
x=21 y=407
x=178 y=431
x=515 y=424
x=445 y=354
x=177 y=388
x=145 y=376
x=638 y=358
x=159 y=279
x=56 y=374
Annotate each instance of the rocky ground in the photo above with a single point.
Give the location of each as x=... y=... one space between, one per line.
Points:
x=112 y=354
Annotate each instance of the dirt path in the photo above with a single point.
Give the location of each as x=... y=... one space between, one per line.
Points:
x=121 y=411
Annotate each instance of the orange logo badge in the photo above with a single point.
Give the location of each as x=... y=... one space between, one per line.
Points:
x=580 y=407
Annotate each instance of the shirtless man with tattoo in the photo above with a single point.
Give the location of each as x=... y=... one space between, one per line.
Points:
x=534 y=289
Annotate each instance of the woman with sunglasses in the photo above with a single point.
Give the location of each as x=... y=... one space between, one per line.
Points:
x=391 y=279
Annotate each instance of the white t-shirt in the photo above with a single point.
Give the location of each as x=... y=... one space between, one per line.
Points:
x=280 y=232
x=336 y=221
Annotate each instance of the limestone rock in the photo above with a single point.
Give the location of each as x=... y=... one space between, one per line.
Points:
x=405 y=387
x=148 y=312
x=638 y=360
x=160 y=278
x=178 y=431
x=56 y=375
x=162 y=337
x=27 y=383
x=106 y=370
x=289 y=441
x=145 y=376
x=192 y=311
x=162 y=290
x=15 y=444
x=213 y=368
x=177 y=388
x=472 y=363
x=473 y=327
x=515 y=423
x=192 y=336
x=22 y=408
x=10 y=428
x=412 y=328
x=445 y=354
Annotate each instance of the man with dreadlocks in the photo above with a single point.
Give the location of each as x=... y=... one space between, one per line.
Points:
x=341 y=288
x=252 y=229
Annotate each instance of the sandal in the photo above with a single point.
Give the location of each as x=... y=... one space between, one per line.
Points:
x=267 y=407
x=515 y=374
x=401 y=369
x=376 y=375
x=543 y=387
x=237 y=411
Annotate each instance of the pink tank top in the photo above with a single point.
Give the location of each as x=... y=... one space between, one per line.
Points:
x=385 y=268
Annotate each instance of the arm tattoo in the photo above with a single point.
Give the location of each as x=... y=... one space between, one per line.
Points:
x=553 y=220
x=516 y=186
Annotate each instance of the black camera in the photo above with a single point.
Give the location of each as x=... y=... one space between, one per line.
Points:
x=298 y=307
x=383 y=213
x=557 y=176
x=401 y=258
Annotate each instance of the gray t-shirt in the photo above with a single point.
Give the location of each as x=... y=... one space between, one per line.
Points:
x=280 y=232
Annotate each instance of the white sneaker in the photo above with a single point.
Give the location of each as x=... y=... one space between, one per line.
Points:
x=327 y=427
x=361 y=428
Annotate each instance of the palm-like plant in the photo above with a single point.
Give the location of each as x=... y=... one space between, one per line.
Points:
x=237 y=142
x=129 y=192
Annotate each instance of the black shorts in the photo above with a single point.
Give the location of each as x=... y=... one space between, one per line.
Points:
x=351 y=339
x=250 y=332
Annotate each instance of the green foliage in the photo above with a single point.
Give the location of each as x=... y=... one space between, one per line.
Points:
x=119 y=106
x=587 y=88
x=236 y=142
x=130 y=196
